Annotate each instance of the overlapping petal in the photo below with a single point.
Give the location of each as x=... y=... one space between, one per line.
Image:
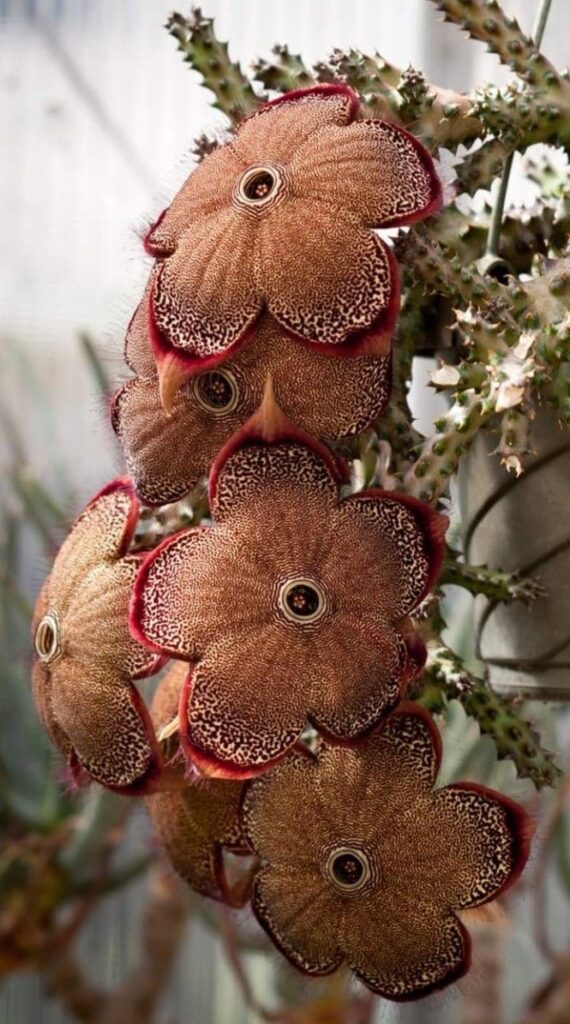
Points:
x=343 y=282
x=197 y=821
x=287 y=225
x=167 y=454
x=374 y=169
x=294 y=605
x=86 y=659
x=204 y=296
x=357 y=839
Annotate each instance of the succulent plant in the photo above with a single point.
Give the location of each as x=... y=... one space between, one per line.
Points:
x=497 y=289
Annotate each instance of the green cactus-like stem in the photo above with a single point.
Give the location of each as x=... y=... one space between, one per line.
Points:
x=396 y=429
x=428 y=476
x=480 y=168
x=524 y=235
x=288 y=71
x=557 y=393
x=514 y=441
x=432 y=266
x=486 y=21
x=209 y=56
x=440 y=116
x=493 y=583
x=446 y=676
x=521 y=117
x=366 y=74
x=545 y=297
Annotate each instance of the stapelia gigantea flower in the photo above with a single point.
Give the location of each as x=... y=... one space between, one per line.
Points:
x=293 y=606
x=200 y=819
x=86 y=659
x=167 y=454
x=282 y=218
x=364 y=863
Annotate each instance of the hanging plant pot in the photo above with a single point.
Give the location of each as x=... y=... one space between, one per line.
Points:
x=522 y=525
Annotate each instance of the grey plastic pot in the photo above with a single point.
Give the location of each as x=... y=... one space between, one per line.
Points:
x=523 y=525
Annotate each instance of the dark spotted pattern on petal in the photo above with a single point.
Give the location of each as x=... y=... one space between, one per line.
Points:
x=375 y=169
x=83 y=684
x=341 y=282
x=410 y=858
x=200 y=306
x=166 y=455
x=217 y=597
x=195 y=822
x=255 y=226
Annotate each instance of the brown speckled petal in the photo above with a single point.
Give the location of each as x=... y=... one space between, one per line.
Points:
x=328 y=397
x=203 y=296
x=292 y=915
x=410 y=535
x=196 y=822
x=238 y=718
x=366 y=669
x=101 y=534
x=86 y=658
x=138 y=351
x=105 y=721
x=404 y=962
x=358 y=833
x=41 y=692
x=325 y=277
x=494 y=843
x=280 y=128
x=375 y=169
x=248 y=479
x=206 y=191
x=193 y=587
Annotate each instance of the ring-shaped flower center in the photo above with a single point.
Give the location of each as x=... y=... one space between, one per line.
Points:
x=301 y=600
x=46 y=640
x=216 y=391
x=348 y=869
x=259 y=185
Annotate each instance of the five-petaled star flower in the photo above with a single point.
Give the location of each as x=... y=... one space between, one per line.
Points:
x=294 y=606
x=199 y=820
x=86 y=658
x=282 y=218
x=167 y=454
x=364 y=863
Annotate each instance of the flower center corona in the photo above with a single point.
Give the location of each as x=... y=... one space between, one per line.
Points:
x=259 y=185
x=46 y=639
x=301 y=600
x=216 y=392
x=348 y=869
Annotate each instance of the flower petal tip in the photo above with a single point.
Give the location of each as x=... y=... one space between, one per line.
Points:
x=149 y=246
x=324 y=91
x=269 y=425
x=207 y=764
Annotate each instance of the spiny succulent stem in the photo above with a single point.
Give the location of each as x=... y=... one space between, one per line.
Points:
x=489 y=24
x=493 y=583
x=498 y=208
x=446 y=676
x=209 y=56
x=286 y=72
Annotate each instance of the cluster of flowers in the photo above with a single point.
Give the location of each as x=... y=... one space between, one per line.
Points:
x=280 y=731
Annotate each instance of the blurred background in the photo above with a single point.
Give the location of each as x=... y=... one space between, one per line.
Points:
x=97 y=115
